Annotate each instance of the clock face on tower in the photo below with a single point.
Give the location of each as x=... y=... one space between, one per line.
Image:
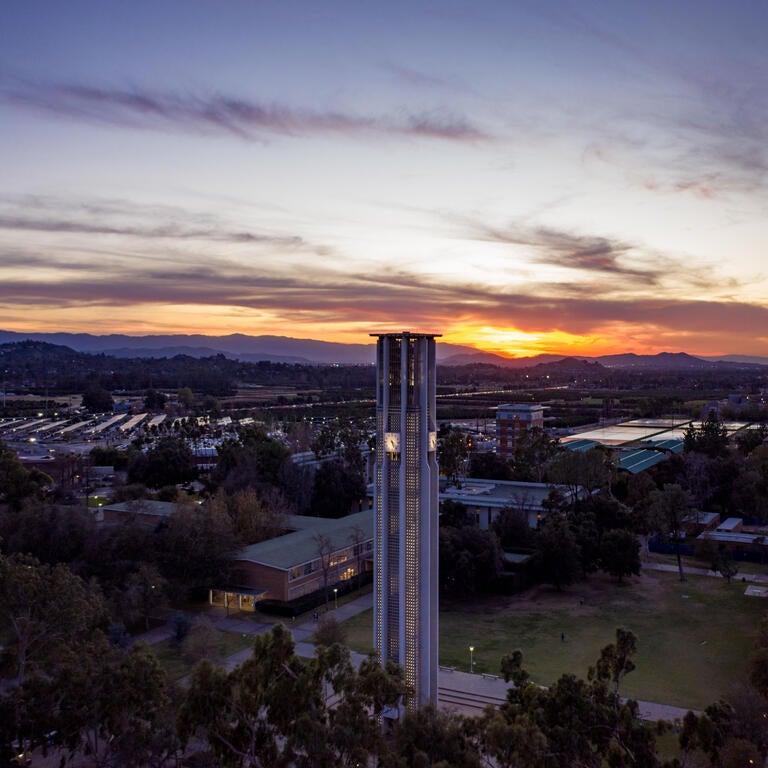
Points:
x=392 y=442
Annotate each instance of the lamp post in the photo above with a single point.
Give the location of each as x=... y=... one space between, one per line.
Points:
x=471 y=658
x=336 y=598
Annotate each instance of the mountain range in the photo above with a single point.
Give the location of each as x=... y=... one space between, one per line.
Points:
x=310 y=351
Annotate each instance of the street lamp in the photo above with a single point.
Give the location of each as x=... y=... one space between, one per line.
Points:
x=471 y=658
x=336 y=598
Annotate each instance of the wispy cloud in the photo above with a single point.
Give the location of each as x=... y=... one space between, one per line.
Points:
x=317 y=293
x=166 y=231
x=218 y=114
x=91 y=218
x=427 y=82
x=564 y=249
x=608 y=264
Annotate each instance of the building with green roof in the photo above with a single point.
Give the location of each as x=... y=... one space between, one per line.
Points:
x=316 y=553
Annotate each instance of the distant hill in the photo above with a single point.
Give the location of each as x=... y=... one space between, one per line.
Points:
x=284 y=349
x=661 y=361
x=749 y=359
x=475 y=357
x=281 y=349
x=237 y=346
x=577 y=367
x=199 y=352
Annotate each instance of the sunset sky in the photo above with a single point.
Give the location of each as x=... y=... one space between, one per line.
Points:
x=523 y=176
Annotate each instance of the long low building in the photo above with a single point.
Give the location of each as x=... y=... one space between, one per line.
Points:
x=318 y=552
x=484 y=499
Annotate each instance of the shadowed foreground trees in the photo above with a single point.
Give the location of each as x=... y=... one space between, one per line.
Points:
x=43 y=609
x=275 y=708
x=575 y=722
x=115 y=707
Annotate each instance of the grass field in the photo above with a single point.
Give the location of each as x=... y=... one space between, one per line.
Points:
x=694 y=638
x=177 y=667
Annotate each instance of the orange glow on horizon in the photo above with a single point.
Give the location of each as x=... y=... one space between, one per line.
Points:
x=511 y=342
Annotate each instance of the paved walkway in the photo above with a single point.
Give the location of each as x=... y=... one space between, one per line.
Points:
x=301 y=632
x=753 y=578
x=457 y=690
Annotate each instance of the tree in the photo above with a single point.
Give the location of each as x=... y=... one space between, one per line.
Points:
x=557 y=556
x=620 y=553
x=579 y=471
x=44 y=609
x=343 y=439
x=53 y=534
x=256 y=516
x=432 y=737
x=638 y=499
x=336 y=490
x=330 y=631
x=154 y=400
x=17 y=483
x=534 y=452
x=185 y=397
x=168 y=463
x=574 y=722
x=749 y=439
x=194 y=548
x=96 y=399
x=490 y=466
x=202 y=642
x=452 y=454
x=711 y=438
x=706 y=732
x=147 y=594
x=724 y=564
x=454 y=514
x=470 y=560
x=252 y=460
x=668 y=508
x=114 y=706
x=588 y=536
x=275 y=708
x=512 y=529
x=324 y=548
x=699 y=478
x=615 y=660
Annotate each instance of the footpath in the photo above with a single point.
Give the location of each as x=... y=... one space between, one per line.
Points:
x=752 y=578
x=461 y=691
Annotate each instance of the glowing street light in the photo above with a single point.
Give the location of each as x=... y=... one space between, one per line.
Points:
x=336 y=597
x=471 y=658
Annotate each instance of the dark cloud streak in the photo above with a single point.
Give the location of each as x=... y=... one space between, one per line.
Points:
x=217 y=114
x=172 y=231
x=319 y=292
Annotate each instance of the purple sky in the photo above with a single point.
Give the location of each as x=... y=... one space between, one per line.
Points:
x=525 y=177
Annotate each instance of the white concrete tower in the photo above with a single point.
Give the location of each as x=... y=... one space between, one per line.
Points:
x=406 y=509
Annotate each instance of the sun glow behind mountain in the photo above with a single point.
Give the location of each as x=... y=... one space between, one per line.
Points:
x=325 y=180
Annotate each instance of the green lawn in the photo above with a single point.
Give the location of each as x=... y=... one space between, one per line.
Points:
x=177 y=667
x=694 y=638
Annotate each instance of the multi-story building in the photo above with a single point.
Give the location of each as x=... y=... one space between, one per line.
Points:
x=406 y=510
x=512 y=422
